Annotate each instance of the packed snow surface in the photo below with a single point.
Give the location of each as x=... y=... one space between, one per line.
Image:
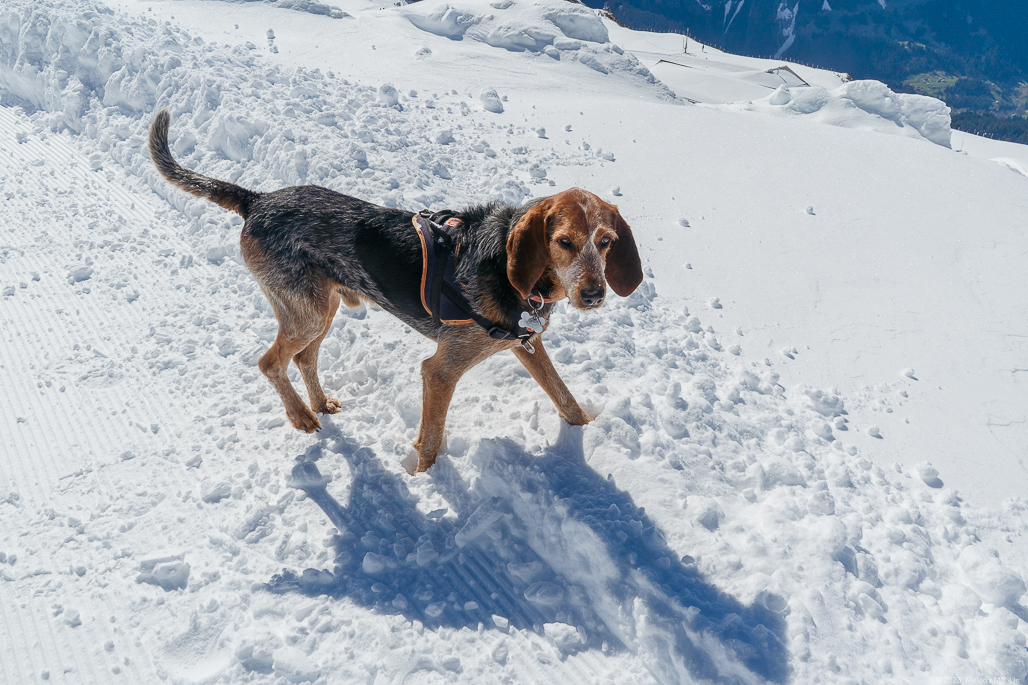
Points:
x=808 y=452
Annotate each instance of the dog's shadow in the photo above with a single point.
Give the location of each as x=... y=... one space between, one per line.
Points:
x=537 y=540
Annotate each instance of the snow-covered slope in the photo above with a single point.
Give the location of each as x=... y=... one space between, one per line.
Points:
x=809 y=417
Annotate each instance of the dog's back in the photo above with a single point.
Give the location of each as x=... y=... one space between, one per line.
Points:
x=303 y=239
x=365 y=248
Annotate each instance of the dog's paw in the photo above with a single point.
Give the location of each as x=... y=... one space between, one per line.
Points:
x=305 y=420
x=329 y=406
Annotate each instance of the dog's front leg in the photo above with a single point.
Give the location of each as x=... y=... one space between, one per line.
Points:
x=459 y=349
x=541 y=368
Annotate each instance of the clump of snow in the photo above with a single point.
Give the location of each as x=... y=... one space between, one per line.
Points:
x=78 y=273
x=564 y=637
x=167 y=572
x=309 y=6
x=233 y=136
x=994 y=582
x=490 y=100
x=388 y=95
x=867 y=105
x=929 y=474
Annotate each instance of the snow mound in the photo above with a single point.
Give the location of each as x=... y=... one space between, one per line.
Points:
x=867 y=105
x=557 y=29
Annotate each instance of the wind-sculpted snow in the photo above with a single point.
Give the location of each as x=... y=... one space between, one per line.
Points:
x=160 y=522
x=868 y=105
x=555 y=28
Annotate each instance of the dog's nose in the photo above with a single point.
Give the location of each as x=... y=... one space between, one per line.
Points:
x=592 y=296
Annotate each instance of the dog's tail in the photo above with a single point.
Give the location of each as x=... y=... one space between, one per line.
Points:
x=227 y=195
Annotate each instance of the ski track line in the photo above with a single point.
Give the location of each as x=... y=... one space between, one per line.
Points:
x=36 y=403
x=99 y=444
x=49 y=644
x=69 y=163
x=13 y=674
x=46 y=452
x=52 y=647
x=46 y=645
x=89 y=327
x=133 y=209
x=35 y=319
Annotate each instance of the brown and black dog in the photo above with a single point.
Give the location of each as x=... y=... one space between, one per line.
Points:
x=310 y=248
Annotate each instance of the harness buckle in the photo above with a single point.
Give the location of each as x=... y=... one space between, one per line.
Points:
x=498 y=333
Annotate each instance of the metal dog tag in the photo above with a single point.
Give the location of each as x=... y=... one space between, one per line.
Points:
x=531 y=321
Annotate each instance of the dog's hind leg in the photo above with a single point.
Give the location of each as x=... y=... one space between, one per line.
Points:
x=307 y=361
x=541 y=369
x=301 y=322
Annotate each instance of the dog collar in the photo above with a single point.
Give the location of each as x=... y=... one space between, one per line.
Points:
x=537 y=296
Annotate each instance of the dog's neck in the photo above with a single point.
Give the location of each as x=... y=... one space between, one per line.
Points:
x=482 y=237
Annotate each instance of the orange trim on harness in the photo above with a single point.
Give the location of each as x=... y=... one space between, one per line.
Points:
x=424 y=276
x=424 y=261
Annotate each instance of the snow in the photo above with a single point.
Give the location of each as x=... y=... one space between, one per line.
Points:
x=769 y=491
x=867 y=105
x=1010 y=155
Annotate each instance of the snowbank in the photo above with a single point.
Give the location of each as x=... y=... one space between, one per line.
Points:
x=226 y=120
x=866 y=105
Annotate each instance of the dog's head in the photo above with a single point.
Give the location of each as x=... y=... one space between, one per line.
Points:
x=586 y=242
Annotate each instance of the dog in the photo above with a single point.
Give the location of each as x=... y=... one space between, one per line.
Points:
x=310 y=248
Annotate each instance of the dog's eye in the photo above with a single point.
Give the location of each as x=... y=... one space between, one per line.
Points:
x=565 y=242
x=605 y=242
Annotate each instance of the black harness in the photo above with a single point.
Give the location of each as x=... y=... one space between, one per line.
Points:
x=442 y=295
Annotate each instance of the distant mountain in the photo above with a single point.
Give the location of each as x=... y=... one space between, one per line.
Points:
x=972 y=53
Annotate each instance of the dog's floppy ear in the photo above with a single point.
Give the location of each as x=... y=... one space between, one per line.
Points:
x=527 y=252
x=623 y=270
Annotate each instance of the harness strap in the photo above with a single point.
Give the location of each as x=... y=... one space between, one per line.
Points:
x=441 y=248
x=461 y=303
x=441 y=251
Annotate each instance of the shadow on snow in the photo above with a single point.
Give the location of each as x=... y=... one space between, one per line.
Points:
x=537 y=540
